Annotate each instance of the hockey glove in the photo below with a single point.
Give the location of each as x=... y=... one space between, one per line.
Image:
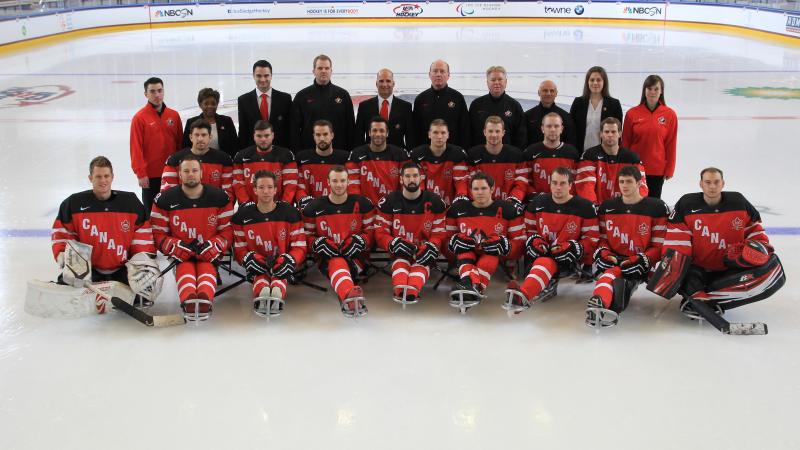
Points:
x=246 y=204
x=568 y=253
x=177 y=249
x=428 y=254
x=284 y=267
x=209 y=250
x=60 y=260
x=324 y=247
x=401 y=248
x=461 y=243
x=604 y=258
x=303 y=202
x=496 y=246
x=254 y=263
x=536 y=246
x=747 y=254
x=460 y=198
x=517 y=204
x=353 y=246
x=635 y=266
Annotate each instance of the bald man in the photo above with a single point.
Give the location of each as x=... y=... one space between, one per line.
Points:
x=441 y=102
x=548 y=91
x=396 y=110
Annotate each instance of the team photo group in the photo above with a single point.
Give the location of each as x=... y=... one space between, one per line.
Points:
x=434 y=189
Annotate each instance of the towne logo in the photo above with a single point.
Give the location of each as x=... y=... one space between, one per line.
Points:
x=642 y=10
x=407 y=10
x=564 y=10
x=181 y=13
x=793 y=24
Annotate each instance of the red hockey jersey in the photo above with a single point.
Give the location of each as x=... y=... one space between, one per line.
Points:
x=446 y=175
x=312 y=172
x=630 y=229
x=279 y=160
x=375 y=174
x=356 y=215
x=507 y=168
x=705 y=232
x=596 y=178
x=416 y=221
x=542 y=160
x=202 y=219
x=500 y=218
x=115 y=228
x=271 y=234
x=574 y=220
x=216 y=165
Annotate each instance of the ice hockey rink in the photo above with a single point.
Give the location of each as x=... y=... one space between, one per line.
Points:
x=425 y=377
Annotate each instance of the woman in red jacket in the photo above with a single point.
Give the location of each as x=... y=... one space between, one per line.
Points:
x=651 y=130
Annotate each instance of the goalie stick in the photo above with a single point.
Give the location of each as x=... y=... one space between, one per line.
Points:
x=755 y=328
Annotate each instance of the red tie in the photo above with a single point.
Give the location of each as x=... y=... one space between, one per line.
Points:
x=385 y=109
x=264 y=108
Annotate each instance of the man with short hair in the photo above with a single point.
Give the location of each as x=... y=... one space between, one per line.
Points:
x=562 y=233
x=269 y=243
x=264 y=155
x=441 y=101
x=314 y=164
x=264 y=103
x=410 y=226
x=191 y=223
x=544 y=157
x=547 y=104
x=217 y=165
x=498 y=103
x=503 y=162
x=444 y=165
x=322 y=100
x=339 y=229
x=598 y=167
x=374 y=168
x=395 y=110
x=156 y=133
x=113 y=222
x=632 y=230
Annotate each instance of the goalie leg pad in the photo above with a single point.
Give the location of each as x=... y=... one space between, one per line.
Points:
x=623 y=290
x=734 y=289
x=669 y=274
x=52 y=300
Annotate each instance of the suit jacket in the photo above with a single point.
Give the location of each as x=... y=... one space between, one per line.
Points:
x=279 y=117
x=578 y=110
x=400 y=121
x=226 y=131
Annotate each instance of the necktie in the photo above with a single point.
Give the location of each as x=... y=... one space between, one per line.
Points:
x=385 y=109
x=264 y=108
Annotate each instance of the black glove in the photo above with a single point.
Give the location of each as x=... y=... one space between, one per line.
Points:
x=427 y=254
x=285 y=266
x=518 y=206
x=460 y=198
x=460 y=243
x=324 y=247
x=401 y=248
x=353 y=246
x=636 y=266
x=536 y=246
x=605 y=259
x=496 y=246
x=303 y=202
x=568 y=253
x=254 y=263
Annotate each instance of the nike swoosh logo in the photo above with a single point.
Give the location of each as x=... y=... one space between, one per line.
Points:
x=303 y=161
x=695 y=210
x=362 y=158
x=173 y=206
x=84 y=208
x=396 y=210
x=247 y=220
x=609 y=210
x=460 y=214
x=477 y=161
x=245 y=159
x=540 y=208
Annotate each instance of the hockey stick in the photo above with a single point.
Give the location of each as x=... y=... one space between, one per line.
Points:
x=141 y=316
x=755 y=328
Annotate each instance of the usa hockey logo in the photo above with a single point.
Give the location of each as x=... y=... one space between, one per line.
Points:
x=125 y=226
x=19 y=96
x=737 y=223
x=643 y=229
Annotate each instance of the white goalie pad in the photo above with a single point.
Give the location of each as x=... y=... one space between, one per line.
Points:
x=77 y=263
x=144 y=276
x=51 y=300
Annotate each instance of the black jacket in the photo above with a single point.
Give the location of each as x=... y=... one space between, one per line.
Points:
x=279 y=116
x=400 y=122
x=578 y=110
x=226 y=131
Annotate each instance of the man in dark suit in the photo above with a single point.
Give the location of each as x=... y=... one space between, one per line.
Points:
x=395 y=110
x=264 y=103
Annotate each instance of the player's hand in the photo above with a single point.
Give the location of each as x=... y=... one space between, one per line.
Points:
x=353 y=246
x=254 y=263
x=285 y=266
x=401 y=248
x=144 y=182
x=636 y=266
x=605 y=259
x=209 y=250
x=324 y=247
x=461 y=243
x=536 y=246
x=428 y=253
x=496 y=246
x=567 y=253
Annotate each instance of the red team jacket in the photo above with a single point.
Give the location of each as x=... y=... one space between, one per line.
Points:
x=356 y=215
x=508 y=169
x=446 y=175
x=416 y=220
x=375 y=174
x=705 y=232
x=216 y=165
x=279 y=160
x=542 y=160
x=271 y=234
x=115 y=228
x=630 y=229
x=203 y=219
x=574 y=220
x=596 y=178
x=153 y=138
x=312 y=172
x=653 y=136
x=498 y=219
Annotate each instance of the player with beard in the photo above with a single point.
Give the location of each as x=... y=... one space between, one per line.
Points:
x=374 y=168
x=264 y=155
x=443 y=165
x=544 y=157
x=314 y=164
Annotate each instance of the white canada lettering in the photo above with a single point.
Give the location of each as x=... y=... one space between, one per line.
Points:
x=323 y=226
x=190 y=232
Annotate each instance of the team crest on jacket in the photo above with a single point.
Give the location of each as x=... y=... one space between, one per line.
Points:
x=212 y=220
x=338 y=99
x=170 y=122
x=282 y=235
x=394 y=172
x=508 y=113
x=448 y=173
x=397 y=126
x=451 y=104
x=643 y=229
x=737 y=224
x=427 y=226
x=662 y=120
x=125 y=225
x=498 y=228
x=215 y=175
x=509 y=174
x=571 y=227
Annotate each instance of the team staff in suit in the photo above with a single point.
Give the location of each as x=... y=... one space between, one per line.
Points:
x=395 y=110
x=275 y=108
x=587 y=120
x=223 y=132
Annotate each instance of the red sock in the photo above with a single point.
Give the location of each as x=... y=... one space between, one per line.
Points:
x=259 y=283
x=487 y=264
x=540 y=274
x=206 y=280
x=186 y=279
x=417 y=276
x=280 y=284
x=604 y=286
x=339 y=273
x=400 y=273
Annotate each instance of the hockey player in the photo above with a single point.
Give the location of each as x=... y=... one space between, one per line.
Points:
x=313 y=165
x=544 y=157
x=339 y=228
x=504 y=163
x=115 y=225
x=191 y=223
x=269 y=243
x=444 y=166
x=732 y=262
x=217 y=165
x=597 y=170
x=562 y=232
x=410 y=226
x=498 y=103
x=481 y=232
x=264 y=156
x=632 y=230
x=374 y=168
